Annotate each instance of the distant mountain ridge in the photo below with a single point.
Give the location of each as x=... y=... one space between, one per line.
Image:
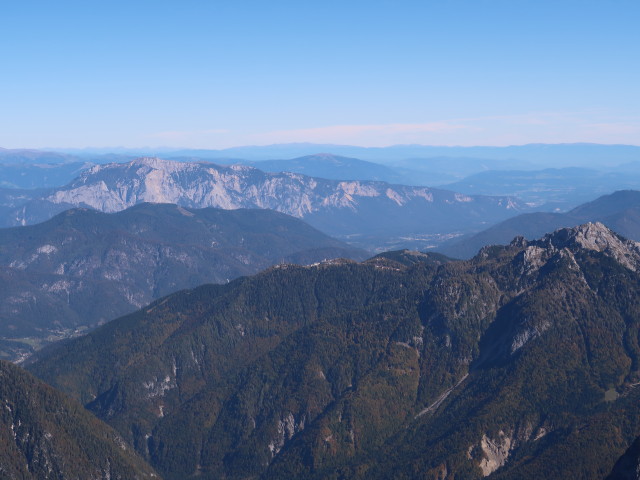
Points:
x=537 y=154
x=475 y=170
x=370 y=214
x=431 y=171
x=26 y=156
x=620 y=211
x=551 y=155
x=30 y=176
x=84 y=267
x=551 y=189
x=335 y=167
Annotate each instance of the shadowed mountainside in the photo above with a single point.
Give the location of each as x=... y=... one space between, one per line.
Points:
x=84 y=267
x=522 y=363
x=44 y=434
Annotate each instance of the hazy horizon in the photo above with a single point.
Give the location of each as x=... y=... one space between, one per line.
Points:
x=116 y=148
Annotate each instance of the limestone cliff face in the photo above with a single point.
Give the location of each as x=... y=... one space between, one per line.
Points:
x=565 y=243
x=114 y=187
x=339 y=208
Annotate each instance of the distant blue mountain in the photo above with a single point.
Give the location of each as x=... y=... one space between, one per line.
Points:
x=40 y=175
x=619 y=211
x=538 y=155
x=551 y=189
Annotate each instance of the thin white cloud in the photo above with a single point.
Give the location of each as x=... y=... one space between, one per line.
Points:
x=368 y=135
x=514 y=129
x=534 y=127
x=187 y=134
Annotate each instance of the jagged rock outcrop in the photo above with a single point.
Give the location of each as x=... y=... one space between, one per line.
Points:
x=568 y=241
x=596 y=237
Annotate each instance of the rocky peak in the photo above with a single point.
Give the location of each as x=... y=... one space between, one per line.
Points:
x=155 y=163
x=596 y=237
x=147 y=163
x=519 y=242
x=152 y=162
x=592 y=236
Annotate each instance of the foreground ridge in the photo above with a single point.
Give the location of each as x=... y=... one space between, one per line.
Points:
x=44 y=434
x=517 y=364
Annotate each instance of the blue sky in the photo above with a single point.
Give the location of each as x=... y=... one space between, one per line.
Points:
x=215 y=74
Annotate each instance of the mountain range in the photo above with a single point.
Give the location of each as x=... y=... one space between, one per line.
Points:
x=521 y=363
x=546 y=188
x=620 y=211
x=431 y=171
x=553 y=189
x=30 y=176
x=26 y=156
x=369 y=214
x=335 y=167
x=84 y=267
x=535 y=155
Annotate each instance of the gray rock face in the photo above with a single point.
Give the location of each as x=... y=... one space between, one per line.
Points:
x=339 y=208
x=592 y=236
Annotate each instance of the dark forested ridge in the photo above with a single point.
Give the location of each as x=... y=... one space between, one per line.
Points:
x=521 y=363
x=84 y=267
x=45 y=435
